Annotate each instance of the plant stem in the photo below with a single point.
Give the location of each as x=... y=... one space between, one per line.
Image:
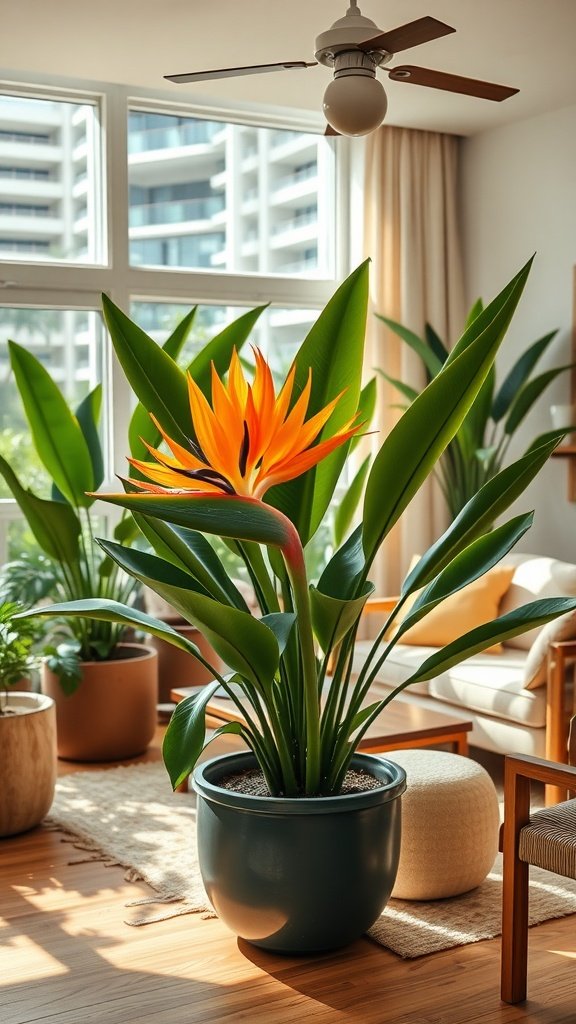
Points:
x=293 y=554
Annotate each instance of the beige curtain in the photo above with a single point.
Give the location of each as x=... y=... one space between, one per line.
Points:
x=411 y=235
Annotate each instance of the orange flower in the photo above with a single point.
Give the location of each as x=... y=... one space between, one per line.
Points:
x=248 y=439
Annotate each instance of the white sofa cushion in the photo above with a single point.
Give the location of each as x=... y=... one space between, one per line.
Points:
x=487 y=683
x=536 y=577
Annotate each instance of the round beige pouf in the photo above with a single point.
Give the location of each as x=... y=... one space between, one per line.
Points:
x=450 y=821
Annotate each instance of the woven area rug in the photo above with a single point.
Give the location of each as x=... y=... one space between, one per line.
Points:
x=130 y=817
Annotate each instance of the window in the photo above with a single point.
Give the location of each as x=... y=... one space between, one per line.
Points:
x=49 y=171
x=222 y=214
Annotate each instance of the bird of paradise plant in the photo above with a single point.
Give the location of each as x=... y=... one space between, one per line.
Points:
x=259 y=468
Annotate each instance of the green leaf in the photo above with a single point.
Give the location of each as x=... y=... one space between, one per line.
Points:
x=344 y=568
x=222 y=515
x=474 y=313
x=347 y=507
x=366 y=409
x=281 y=624
x=518 y=375
x=479 y=513
x=156 y=379
x=428 y=357
x=477 y=325
x=88 y=416
x=191 y=551
x=184 y=738
x=469 y=565
x=141 y=425
x=412 y=448
x=434 y=341
x=478 y=416
x=55 y=525
x=528 y=616
x=404 y=389
x=244 y=643
x=332 y=618
x=55 y=430
x=333 y=350
x=105 y=610
x=526 y=397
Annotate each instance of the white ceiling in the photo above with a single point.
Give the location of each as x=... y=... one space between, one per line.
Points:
x=524 y=43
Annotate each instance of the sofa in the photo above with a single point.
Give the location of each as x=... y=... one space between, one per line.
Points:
x=518 y=697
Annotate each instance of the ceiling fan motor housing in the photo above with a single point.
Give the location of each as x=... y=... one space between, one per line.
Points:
x=344 y=36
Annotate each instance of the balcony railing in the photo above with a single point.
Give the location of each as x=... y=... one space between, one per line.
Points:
x=175 y=211
x=139 y=141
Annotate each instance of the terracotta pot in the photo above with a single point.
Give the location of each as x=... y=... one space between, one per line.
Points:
x=112 y=714
x=27 y=762
x=177 y=668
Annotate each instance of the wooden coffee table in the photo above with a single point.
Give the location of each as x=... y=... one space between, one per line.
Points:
x=400 y=725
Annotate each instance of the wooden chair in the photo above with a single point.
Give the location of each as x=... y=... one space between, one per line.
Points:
x=546 y=839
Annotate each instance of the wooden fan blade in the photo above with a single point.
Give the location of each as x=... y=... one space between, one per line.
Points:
x=423 y=30
x=255 y=69
x=451 y=83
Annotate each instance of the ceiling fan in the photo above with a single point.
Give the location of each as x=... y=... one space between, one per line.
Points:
x=355 y=102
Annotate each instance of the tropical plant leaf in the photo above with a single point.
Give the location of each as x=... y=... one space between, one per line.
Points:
x=88 y=416
x=478 y=514
x=528 y=616
x=409 y=392
x=518 y=375
x=332 y=618
x=185 y=735
x=434 y=342
x=158 y=382
x=429 y=358
x=414 y=445
x=55 y=525
x=344 y=568
x=55 y=430
x=469 y=565
x=349 y=503
x=529 y=394
x=333 y=351
x=474 y=312
x=243 y=642
x=478 y=418
x=366 y=409
x=281 y=624
x=223 y=515
x=141 y=426
x=189 y=550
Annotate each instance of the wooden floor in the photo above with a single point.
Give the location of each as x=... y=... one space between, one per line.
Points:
x=67 y=957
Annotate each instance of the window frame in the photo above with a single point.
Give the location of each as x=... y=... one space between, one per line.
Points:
x=77 y=286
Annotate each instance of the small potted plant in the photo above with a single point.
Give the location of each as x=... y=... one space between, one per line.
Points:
x=299 y=836
x=27 y=727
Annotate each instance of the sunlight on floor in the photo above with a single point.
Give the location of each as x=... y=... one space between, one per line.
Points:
x=25 y=950
x=569 y=954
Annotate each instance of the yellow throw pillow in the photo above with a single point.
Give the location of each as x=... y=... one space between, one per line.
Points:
x=470 y=607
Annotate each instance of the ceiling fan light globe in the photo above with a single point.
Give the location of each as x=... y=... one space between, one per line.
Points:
x=355 y=105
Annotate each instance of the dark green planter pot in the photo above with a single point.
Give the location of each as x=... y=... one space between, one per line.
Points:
x=298 y=876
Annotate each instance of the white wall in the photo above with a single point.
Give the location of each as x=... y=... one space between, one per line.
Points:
x=519 y=197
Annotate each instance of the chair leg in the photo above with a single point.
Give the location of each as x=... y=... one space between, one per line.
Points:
x=514 y=888
x=514 y=931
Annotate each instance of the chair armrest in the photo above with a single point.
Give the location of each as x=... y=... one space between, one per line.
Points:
x=380 y=604
x=519 y=771
x=539 y=770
